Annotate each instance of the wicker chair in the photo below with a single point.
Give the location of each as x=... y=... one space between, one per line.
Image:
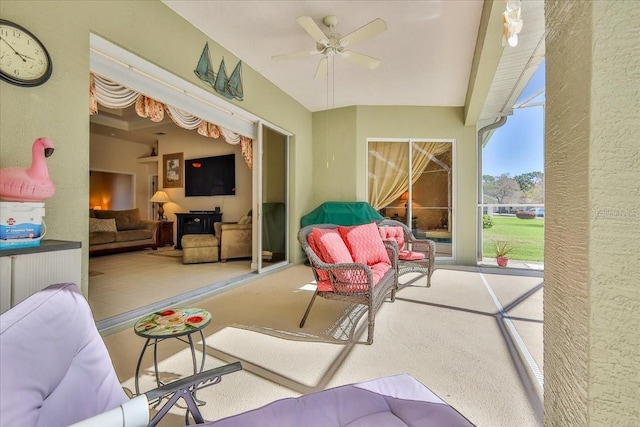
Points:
x=427 y=247
x=360 y=288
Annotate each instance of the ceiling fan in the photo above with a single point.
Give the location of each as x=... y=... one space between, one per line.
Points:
x=332 y=44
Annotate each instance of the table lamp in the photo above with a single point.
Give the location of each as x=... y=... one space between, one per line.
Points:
x=405 y=198
x=160 y=197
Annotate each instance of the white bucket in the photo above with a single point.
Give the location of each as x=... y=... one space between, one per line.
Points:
x=21 y=224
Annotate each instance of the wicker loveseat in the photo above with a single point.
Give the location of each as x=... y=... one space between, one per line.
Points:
x=345 y=273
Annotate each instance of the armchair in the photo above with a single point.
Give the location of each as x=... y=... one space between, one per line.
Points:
x=235 y=238
x=56 y=370
x=408 y=247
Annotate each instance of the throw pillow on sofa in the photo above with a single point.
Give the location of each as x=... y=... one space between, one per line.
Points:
x=125 y=219
x=102 y=225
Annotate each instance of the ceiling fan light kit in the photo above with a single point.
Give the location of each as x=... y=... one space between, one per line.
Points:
x=332 y=44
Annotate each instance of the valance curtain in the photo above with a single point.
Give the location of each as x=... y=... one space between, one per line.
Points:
x=389 y=168
x=113 y=95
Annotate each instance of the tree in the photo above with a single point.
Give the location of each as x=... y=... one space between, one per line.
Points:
x=504 y=188
x=529 y=180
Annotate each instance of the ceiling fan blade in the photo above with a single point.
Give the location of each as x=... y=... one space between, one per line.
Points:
x=293 y=55
x=322 y=70
x=360 y=59
x=310 y=26
x=369 y=30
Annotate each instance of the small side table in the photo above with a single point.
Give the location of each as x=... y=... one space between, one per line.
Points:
x=165 y=233
x=172 y=323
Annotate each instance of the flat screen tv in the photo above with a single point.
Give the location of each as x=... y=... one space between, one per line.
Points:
x=210 y=176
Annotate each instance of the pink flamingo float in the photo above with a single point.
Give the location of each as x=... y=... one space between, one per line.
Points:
x=29 y=185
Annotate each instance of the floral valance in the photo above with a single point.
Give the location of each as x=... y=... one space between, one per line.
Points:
x=113 y=95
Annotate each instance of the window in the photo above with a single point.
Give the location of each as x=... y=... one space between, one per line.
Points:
x=411 y=181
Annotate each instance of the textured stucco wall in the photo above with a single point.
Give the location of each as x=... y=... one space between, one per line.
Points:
x=592 y=236
x=614 y=256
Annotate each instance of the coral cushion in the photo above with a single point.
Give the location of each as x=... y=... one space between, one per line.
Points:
x=365 y=244
x=410 y=256
x=396 y=233
x=330 y=248
x=379 y=270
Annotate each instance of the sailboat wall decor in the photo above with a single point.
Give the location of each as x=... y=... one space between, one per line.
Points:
x=230 y=87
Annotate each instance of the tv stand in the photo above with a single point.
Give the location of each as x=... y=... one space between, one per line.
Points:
x=196 y=222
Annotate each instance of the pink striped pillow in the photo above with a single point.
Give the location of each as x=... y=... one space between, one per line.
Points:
x=365 y=244
x=330 y=248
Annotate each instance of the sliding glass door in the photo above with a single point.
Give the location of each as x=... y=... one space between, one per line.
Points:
x=411 y=181
x=272 y=198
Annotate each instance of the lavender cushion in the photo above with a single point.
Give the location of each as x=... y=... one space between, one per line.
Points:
x=398 y=400
x=55 y=367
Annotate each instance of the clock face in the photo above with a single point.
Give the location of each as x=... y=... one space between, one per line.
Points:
x=24 y=60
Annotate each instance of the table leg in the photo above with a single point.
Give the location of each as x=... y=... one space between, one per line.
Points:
x=155 y=362
x=204 y=345
x=195 y=365
x=144 y=348
x=193 y=354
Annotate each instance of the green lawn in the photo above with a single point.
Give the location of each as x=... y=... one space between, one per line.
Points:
x=526 y=236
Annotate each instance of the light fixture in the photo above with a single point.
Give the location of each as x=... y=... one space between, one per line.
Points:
x=160 y=197
x=512 y=23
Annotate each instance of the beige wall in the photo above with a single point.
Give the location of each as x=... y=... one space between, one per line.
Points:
x=334 y=156
x=111 y=190
x=59 y=108
x=592 y=293
x=340 y=156
x=193 y=146
x=117 y=155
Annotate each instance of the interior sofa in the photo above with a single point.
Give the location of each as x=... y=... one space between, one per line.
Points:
x=112 y=231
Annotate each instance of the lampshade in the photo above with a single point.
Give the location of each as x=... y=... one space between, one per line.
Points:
x=160 y=197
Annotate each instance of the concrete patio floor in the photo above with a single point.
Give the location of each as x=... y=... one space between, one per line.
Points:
x=474 y=337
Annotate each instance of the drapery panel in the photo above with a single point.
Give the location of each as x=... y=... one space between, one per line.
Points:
x=389 y=168
x=113 y=95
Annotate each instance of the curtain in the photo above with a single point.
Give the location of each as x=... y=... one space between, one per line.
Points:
x=389 y=168
x=113 y=95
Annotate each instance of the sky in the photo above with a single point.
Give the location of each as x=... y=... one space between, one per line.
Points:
x=518 y=146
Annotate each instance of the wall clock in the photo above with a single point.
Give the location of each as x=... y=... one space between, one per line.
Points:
x=24 y=61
